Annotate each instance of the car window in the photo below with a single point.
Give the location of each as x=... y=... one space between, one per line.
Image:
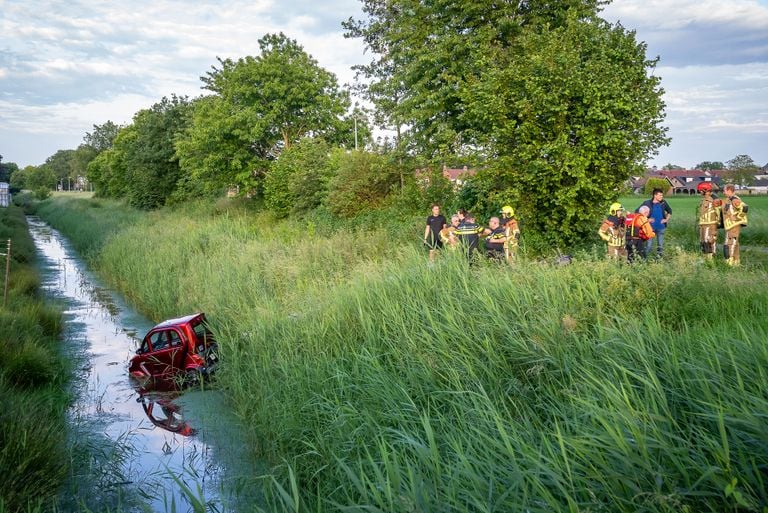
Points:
x=159 y=340
x=201 y=331
x=175 y=338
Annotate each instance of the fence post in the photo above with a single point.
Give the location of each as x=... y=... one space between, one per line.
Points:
x=7 y=272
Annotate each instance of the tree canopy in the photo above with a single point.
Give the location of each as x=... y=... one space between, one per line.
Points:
x=557 y=106
x=710 y=165
x=260 y=106
x=141 y=164
x=741 y=170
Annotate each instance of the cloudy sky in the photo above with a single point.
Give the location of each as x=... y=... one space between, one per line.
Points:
x=67 y=65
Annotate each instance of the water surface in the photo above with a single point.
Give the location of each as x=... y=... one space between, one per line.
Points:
x=131 y=448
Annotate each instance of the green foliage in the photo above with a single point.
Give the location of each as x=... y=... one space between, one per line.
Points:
x=34 y=177
x=435 y=188
x=741 y=170
x=32 y=399
x=42 y=193
x=710 y=165
x=102 y=137
x=375 y=381
x=559 y=106
x=151 y=161
x=298 y=180
x=656 y=183
x=362 y=183
x=260 y=106
x=89 y=223
x=7 y=170
x=142 y=165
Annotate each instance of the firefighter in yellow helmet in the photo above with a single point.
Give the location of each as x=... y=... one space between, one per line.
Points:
x=511 y=232
x=613 y=232
x=734 y=217
x=708 y=219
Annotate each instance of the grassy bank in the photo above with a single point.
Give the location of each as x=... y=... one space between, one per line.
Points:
x=375 y=382
x=33 y=454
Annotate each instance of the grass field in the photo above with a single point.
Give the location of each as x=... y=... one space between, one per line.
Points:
x=33 y=451
x=374 y=381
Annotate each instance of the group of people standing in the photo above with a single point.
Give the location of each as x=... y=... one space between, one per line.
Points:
x=628 y=235
x=501 y=237
x=631 y=235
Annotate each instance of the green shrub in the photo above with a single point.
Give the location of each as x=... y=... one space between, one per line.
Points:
x=32 y=457
x=42 y=193
x=30 y=366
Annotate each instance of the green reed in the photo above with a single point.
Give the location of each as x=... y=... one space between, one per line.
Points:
x=32 y=374
x=374 y=381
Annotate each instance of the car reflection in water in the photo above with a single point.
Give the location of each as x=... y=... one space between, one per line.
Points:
x=160 y=409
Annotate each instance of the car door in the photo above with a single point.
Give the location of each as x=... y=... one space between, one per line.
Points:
x=166 y=352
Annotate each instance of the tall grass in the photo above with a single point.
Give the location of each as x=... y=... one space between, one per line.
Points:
x=33 y=460
x=373 y=381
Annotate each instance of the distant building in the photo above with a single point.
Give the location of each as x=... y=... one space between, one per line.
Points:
x=685 y=181
x=457 y=176
x=681 y=181
x=5 y=194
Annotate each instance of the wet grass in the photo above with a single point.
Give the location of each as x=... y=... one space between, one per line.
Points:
x=373 y=381
x=33 y=462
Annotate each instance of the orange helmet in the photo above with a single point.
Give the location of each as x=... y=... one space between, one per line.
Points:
x=704 y=186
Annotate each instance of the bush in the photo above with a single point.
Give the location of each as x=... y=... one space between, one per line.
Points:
x=42 y=193
x=362 y=183
x=656 y=183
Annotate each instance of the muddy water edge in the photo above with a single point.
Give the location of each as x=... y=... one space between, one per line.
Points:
x=134 y=450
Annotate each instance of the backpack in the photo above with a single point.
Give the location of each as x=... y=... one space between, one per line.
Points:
x=634 y=232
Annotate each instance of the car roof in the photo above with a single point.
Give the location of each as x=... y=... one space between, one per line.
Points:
x=180 y=320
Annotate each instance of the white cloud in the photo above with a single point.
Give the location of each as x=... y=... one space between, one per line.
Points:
x=67 y=66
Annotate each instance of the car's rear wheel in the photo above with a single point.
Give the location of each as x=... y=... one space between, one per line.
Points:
x=193 y=378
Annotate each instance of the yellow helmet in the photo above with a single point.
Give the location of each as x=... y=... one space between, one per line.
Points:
x=508 y=211
x=615 y=208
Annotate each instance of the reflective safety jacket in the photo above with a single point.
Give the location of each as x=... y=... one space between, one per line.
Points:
x=638 y=227
x=511 y=231
x=613 y=231
x=468 y=234
x=734 y=215
x=709 y=212
x=447 y=236
x=495 y=241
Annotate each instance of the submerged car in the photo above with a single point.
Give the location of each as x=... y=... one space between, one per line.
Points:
x=177 y=348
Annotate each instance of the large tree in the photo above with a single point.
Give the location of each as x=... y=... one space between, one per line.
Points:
x=707 y=165
x=102 y=136
x=741 y=170
x=560 y=105
x=260 y=106
x=141 y=165
x=7 y=169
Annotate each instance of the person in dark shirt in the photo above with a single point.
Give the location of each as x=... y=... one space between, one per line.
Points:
x=435 y=223
x=468 y=235
x=494 y=242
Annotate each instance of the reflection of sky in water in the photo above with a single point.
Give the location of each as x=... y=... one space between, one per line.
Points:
x=103 y=329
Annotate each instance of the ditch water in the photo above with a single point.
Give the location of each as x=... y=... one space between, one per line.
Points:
x=134 y=450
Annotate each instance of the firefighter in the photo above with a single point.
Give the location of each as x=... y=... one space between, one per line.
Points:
x=511 y=232
x=709 y=217
x=613 y=232
x=734 y=217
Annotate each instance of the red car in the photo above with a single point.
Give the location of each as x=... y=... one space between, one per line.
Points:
x=182 y=347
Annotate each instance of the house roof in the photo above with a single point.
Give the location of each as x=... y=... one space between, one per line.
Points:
x=454 y=174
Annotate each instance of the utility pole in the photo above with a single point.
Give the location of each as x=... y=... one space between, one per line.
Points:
x=354 y=114
x=7 y=272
